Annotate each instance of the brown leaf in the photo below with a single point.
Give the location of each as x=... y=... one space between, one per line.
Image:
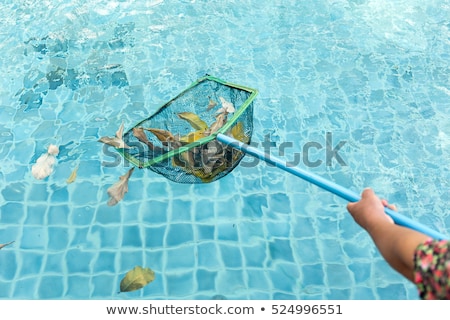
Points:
x=117 y=191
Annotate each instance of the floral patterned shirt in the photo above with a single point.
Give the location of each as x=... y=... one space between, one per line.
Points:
x=432 y=269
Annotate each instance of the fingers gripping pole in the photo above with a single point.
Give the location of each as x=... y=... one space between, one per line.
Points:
x=330 y=186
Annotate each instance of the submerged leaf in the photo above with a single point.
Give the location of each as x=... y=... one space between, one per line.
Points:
x=117 y=191
x=72 y=176
x=136 y=279
x=5 y=244
x=194 y=120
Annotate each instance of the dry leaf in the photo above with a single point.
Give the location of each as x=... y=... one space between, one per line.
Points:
x=117 y=191
x=162 y=135
x=136 y=279
x=115 y=142
x=194 y=120
x=5 y=244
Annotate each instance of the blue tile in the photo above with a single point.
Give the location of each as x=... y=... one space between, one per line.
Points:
x=85 y=192
x=108 y=215
x=205 y=232
x=38 y=192
x=12 y=213
x=54 y=263
x=154 y=212
x=58 y=215
x=180 y=284
x=25 y=288
x=131 y=236
x=105 y=262
x=231 y=256
x=256 y=255
x=206 y=280
x=392 y=292
x=8 y=265
x=280 y=249
x=179 y=234
x=78 y=261
x=130 y=259
x=252 y=206
x=304 y=227
x=313 y=275
x=257 y=279
x=103 y=286
x=59 y=195
x=78 y=286
x=31 y=264
x=332 y=251
x=208 y=255
x=306 y=251
x=227 y=232
x=35 y=214
x=204 y=210
x=181 y=258
x=154 y=237
x=58 y=238
x=284 y=277
x=51 y=287
x=361 y=271
x=338 y=276
x=34 y=238
x=229 y=282
x=181 y=211
x=82 y=216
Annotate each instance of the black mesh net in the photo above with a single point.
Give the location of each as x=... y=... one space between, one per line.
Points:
x=178 y=141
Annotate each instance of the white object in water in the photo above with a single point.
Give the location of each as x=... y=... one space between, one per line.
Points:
x=44 y=164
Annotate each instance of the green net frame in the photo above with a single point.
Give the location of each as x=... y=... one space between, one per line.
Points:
x=191 y=161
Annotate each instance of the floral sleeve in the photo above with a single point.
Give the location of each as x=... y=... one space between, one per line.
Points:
x=432 y=269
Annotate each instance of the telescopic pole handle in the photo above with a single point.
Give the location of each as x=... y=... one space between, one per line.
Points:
x=325 y=184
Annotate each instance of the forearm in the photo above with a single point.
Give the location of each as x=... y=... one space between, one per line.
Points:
x=397 y=245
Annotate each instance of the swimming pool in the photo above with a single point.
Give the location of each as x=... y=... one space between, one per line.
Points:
x=373 y=74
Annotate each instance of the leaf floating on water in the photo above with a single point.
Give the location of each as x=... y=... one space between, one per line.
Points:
x=72 y=176
x=136 y=279
x=194 y=120
x=44 y=164
x=117 y=191
x=5 y=244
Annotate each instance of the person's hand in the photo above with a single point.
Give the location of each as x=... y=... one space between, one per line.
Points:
x=369 y=211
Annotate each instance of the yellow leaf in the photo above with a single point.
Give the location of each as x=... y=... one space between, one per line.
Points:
x=136 y=279
x=238 y=133
x=73 y=176
x=194 y=120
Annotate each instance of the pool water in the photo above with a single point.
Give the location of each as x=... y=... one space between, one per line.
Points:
x=371 y=74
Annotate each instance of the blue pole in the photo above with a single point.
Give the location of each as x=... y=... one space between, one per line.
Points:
x=330 y=186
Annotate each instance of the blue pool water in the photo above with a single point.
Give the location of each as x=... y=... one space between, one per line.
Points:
x=372 y=73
